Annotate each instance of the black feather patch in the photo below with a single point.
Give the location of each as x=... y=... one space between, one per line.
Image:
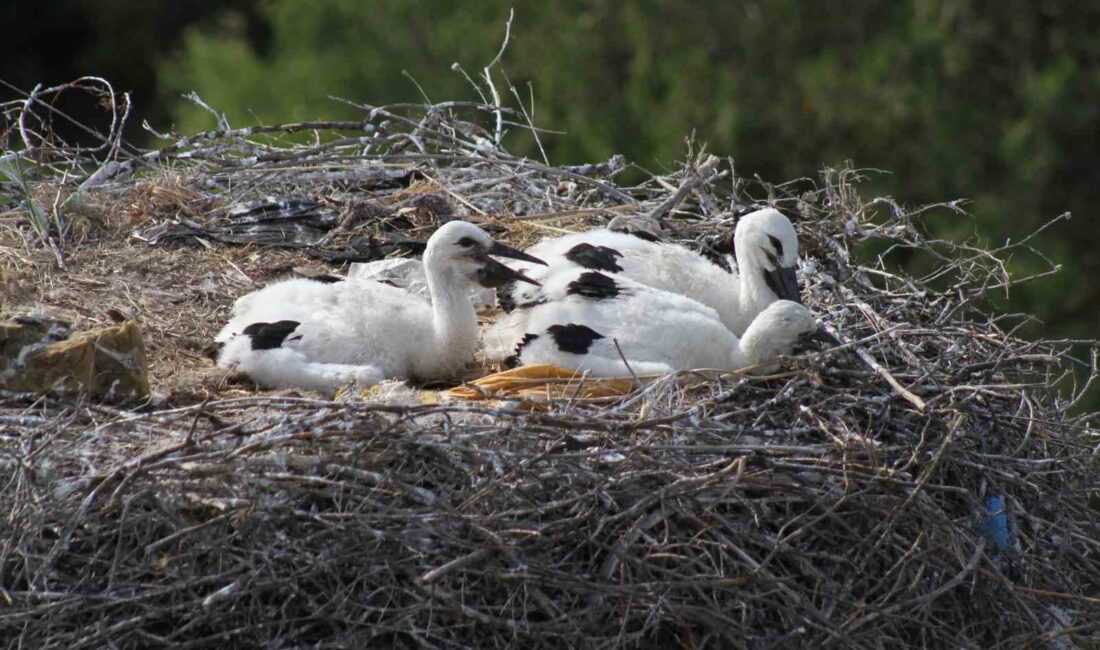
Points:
x=591 y=284
x=513 y=361
x=597 y=258
x=507 y=302
x=573 y=338
x=326 y=278
x=742 y=210
x=642 y=234
x=532 y=303
x=717 y=248
x=504 y=296
x=268 y=336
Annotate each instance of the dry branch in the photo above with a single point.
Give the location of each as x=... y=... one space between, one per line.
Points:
x=831 y=504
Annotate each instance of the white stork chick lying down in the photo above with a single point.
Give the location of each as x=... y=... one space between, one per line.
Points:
x=657 y=331
x=765 y=243
x=319 y=335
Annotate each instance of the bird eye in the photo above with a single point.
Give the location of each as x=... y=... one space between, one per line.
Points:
x=778 y=245
x=467 y=242
x=771 y=257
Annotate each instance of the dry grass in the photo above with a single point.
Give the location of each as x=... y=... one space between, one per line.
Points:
x=837 y=503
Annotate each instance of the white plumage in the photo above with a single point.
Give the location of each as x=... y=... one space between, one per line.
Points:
x=408 y=273
x=319 y=335
x=765 y=243
x=656 y=331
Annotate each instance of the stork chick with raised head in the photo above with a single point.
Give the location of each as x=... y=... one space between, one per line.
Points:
x=320 y=335
x=766 y=247
x=603 y=320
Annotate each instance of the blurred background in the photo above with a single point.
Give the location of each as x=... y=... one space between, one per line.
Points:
x=996 y=103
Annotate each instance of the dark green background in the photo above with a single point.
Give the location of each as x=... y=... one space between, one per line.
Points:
x=995 y=102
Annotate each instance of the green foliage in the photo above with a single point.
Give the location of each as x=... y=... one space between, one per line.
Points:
x=42 y=224
x=998 y=104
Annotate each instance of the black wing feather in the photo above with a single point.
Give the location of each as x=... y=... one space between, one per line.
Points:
x=268 y=336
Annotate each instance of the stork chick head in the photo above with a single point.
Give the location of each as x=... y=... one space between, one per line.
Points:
x=781 y=328
x=466 y=249
x=769 y=242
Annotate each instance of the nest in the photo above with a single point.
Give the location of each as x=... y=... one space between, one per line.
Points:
x=923 y=485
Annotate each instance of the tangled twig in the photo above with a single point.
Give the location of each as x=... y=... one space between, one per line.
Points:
x=835 y=503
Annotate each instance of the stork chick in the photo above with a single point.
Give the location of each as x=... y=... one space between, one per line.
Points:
x=766 y=247
x=320 y=335
x=603 y=320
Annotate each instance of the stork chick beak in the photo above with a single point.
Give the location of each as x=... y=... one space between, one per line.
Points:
x=784 y=283
x=493 y=274
x=823 y=336
x=503 y=250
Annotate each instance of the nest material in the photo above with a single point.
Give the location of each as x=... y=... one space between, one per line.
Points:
x=849 y=500
x=107 y=363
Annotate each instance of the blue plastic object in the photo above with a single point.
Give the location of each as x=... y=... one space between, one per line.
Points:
x=994 y=524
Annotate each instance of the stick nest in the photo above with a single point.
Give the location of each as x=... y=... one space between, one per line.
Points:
x=922 y=486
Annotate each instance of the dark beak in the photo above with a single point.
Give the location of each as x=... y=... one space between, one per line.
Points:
x=825 y=337
x=212 y=350
x=820 y=336
x=784 y=283
x=503 y=250
x=493 y=274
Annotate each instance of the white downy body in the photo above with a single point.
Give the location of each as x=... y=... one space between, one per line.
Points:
x=363 y=331
x=737 y=297
x=659 y=332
